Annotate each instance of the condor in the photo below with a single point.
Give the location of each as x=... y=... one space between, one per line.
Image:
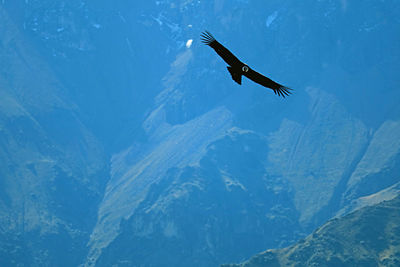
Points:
x=237 y=68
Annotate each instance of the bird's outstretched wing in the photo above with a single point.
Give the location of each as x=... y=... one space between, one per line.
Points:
x=238 y=68
x=261 y=79
x=221 y=50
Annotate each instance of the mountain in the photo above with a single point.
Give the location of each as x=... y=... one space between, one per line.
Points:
x=366 y=237
x=124 y=146
x=53 y=169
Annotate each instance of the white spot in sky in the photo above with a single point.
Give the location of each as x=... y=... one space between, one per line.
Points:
x=189 y=43
x=271 y=18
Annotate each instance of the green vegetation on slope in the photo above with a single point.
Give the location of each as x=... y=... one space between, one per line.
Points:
x=367 y=237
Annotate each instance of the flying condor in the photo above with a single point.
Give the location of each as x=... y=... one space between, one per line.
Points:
x=237 y=68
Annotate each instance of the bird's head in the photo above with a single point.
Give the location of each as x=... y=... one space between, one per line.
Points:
x=245 y=68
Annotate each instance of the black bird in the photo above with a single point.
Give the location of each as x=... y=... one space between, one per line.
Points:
x=237 y=68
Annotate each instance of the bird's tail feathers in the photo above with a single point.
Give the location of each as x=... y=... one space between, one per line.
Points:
x=207 y=38
x=237 y=77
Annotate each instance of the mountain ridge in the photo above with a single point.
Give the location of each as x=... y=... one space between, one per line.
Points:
x=367 y=237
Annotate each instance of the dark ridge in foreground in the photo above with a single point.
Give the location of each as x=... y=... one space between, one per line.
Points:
x=367 y=237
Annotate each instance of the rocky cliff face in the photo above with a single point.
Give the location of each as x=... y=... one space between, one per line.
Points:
x=135 y=149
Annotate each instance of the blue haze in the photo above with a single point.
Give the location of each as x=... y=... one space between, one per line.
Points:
x=121 y=145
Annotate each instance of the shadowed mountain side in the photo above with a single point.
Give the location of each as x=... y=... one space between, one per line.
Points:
x=225 y=207
x=133 y=173
x=52 y=168
x=367 y=237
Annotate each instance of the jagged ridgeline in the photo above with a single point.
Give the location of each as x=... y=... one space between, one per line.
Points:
x=367 y=237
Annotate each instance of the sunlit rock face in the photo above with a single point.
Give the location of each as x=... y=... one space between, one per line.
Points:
x=317 y=156
x=124 y=140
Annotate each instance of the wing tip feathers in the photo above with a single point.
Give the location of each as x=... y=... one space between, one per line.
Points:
x=283 y=91
x=206 y=37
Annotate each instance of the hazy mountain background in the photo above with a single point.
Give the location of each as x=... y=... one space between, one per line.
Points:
x=122 y=145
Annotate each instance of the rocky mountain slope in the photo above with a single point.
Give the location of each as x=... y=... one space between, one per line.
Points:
x=367 y=237
x=52 y=174
x=148 y=154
